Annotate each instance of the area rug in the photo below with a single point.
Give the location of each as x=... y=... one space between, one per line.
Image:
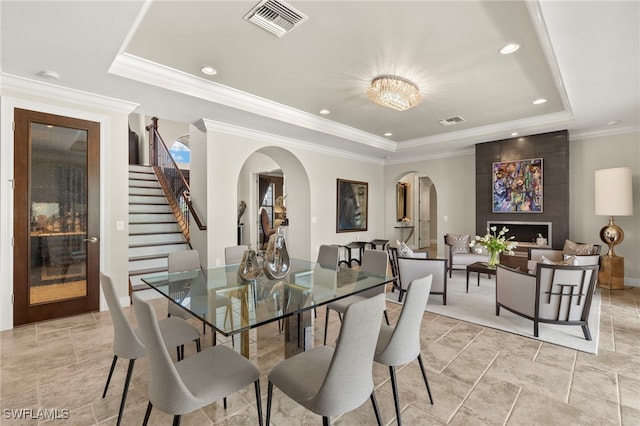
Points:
x=478 y=307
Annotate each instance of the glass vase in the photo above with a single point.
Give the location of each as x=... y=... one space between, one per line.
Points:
x=494 y=259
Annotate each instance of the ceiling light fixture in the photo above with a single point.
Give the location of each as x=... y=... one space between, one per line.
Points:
x=388 y=134
x=394 y=92
x=509 y=48
x=209 y=70
x=539 y=101
x=325 y=111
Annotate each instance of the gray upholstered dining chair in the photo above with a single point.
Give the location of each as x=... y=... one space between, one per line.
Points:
x=233 y=254
x=373 y=262
x=189 y=260
x=328 y=255
x=400 y=345
x=127 y=344
x=194 y=382
x=331 y=382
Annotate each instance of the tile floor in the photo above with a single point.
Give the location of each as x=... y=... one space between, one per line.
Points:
x=478 y=376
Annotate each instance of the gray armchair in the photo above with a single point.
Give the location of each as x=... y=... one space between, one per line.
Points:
x=556 y=294
x=407 y=269
x=458 y=253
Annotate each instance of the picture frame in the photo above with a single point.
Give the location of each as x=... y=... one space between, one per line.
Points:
x=517 y=186
x=352 y=204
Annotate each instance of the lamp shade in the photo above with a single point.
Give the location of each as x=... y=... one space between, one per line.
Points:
x=613 y=192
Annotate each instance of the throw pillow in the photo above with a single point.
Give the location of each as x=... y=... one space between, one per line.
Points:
x=459 y=243
x=404 y=250
x=569 y=261
x=578 y=249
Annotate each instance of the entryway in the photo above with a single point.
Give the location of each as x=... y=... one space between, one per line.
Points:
x=56 y=216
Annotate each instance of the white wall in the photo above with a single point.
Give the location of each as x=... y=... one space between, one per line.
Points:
x=114 y=158
x=585 y=157
x=454 y=182
x=310 y=185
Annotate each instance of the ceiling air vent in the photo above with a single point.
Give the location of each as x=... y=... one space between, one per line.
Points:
x=275 y=16
x=451 y=121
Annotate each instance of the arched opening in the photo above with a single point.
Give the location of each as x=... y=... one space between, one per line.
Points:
x=295 y=192
x=427 y=216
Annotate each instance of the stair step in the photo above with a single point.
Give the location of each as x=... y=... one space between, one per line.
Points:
x=140 y=168
x=137 y=190
x=147 y=199
x=149 y=208
x=138 y=183
x=151 y=239
x=151 y=217
x=137 y=253
x=137 y=265
x=136 y=279
x=153 y=228
x=143 y=176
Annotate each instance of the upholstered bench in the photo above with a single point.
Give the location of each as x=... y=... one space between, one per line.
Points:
x=458 y=253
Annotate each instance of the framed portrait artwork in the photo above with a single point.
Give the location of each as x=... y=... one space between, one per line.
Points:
x=351 y=205
x=517 y=186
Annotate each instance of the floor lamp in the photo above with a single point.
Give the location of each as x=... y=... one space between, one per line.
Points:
x=613 y=197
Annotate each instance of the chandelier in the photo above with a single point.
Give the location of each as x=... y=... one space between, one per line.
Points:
x=394 y=92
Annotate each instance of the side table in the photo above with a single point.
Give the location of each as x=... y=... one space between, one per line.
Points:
x=479 y=268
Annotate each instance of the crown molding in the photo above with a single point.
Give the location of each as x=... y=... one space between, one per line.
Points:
x=428 y=157
x=547 y=122
x=609 y=131
x=206 y=125
x=139 y=69
x=31 y=87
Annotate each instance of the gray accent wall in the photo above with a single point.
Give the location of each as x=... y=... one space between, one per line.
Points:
x=553 y=148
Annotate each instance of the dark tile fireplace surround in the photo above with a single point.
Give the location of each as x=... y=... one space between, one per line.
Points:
x=553 y=221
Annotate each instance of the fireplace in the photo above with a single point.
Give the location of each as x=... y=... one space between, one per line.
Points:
x=525 y=232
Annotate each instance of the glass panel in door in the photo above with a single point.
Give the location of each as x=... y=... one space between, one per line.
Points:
x=58 y=188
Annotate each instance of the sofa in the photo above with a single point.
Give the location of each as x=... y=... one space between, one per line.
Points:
x=580 y=253
x=407 y=269
x=459 y=254
x=557 y=294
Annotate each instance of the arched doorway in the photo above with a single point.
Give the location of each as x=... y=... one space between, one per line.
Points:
x=427 y=215
x=296 y=189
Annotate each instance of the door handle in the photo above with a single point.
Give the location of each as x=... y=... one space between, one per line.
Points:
x=91 y=240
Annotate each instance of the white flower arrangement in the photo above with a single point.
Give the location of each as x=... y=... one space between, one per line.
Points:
x=496 y=243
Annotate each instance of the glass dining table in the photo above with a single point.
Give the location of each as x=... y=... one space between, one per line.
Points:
x=233 y=306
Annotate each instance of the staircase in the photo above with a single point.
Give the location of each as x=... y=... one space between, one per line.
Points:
x=153 y=229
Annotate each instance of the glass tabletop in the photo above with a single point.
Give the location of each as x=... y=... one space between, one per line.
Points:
x=221 y=299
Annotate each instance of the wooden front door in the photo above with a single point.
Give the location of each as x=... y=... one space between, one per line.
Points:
x=56 y=216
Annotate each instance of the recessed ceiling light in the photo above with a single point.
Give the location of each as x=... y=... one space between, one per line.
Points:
x=613 y=123
x=539 y=101
x=325 y=111
x=50 y=74
x=388 y=134
x=509 y=48
x=514 y=134
x=209 y=70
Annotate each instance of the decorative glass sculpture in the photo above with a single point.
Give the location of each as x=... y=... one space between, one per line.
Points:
x=276 y=259
x=249 y=267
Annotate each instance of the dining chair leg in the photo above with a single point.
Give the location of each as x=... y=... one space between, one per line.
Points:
x=147 y=414
x=376 y=410
x=258 y=401
x=198 y=346
x=224 y=402
x=176 y=420
x=424 y=376
x=325 y=421
x=126 y=389
x=394 y=388
x=113 y=366
x=178 y=350
x=386 y=317
x=269 y=395
x=326 y=325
